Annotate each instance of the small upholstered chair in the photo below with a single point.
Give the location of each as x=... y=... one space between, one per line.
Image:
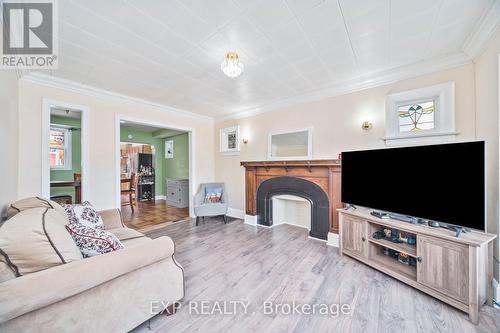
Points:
x=203 y=208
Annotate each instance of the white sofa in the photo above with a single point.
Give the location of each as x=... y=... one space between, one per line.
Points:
x=106 y=293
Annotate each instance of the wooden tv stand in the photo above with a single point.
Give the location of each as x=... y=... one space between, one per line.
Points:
x=458 y=271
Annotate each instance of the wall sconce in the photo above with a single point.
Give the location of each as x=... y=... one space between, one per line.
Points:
x=245 y=140
x=366 y=125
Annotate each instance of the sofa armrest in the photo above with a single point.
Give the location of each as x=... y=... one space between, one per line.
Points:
x=37 y=290
x=112 y=218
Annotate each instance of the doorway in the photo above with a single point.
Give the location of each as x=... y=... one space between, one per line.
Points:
x=64 y=172
x=155 y=174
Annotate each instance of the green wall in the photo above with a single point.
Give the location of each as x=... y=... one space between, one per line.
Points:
x=178 y=167
x=76 y=156
x=147 y=138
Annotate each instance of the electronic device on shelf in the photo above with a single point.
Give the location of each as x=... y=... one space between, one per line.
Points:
x=434 y=224
x=380 y=215
x=348 y=206
x=421 y=182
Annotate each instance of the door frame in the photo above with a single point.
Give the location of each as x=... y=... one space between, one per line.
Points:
x=191 y=139
x=47 y=105
x=496 y=215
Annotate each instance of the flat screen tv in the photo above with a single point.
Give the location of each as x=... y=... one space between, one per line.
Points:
x=444 y=183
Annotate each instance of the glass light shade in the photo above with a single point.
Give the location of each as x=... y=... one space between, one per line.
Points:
x=232 y=66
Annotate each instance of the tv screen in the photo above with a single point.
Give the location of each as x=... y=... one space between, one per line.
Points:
x=444 y=183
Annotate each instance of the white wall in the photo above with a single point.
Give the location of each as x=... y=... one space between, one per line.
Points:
x=8 y=138
x=101 y=121
x=487 y=95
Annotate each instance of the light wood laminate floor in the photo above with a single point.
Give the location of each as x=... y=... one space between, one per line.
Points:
x=256 y=264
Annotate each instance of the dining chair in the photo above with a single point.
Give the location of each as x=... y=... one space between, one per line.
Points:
x=130 y=190
x=63 y=199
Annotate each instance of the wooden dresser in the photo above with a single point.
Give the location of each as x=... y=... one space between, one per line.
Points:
x=458 y=271
x=177 y=192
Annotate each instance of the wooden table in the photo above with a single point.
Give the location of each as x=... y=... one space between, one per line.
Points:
x=70 y=183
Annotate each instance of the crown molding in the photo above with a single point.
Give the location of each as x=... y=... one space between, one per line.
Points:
x=484 y=30
x=360 y=83
x=72 y=86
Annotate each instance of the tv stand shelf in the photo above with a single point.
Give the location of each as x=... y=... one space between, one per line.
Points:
x=455 y=270
x=409 y=271
x=411 y=250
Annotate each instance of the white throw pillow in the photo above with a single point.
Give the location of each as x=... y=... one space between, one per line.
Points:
x=84 y=214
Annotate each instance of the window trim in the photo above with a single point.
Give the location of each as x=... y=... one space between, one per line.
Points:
x=68 y=147
x=444 y=114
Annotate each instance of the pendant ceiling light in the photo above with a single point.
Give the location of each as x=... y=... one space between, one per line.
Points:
x=232 y=66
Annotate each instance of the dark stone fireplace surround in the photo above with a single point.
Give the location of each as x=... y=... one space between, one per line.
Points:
x=320 y=206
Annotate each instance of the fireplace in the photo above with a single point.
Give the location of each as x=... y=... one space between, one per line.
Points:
x=317 y=181
x=320 y=206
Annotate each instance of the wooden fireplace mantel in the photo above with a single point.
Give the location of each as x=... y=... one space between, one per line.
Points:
x=324 y=173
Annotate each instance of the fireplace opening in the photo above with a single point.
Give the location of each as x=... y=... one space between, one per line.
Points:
x=319 y=207
x=291 y=209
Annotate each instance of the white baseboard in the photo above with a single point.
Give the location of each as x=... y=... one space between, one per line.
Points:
x=236 y=213
x=496 y=293
x=317 y=239
x=160 y=197
x=250 y=219
x=333 y=239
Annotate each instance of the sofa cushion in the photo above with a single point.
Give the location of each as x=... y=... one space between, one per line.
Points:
x=34 y=240
x=6 y=273
x=84 y=214
x=136 y=241
x=112 y=218
x=33 y=202
x=93 y=242
x=129 y=237
x=125 y=233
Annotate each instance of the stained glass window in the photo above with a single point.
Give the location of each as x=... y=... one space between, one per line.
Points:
x=416 y=117
x=59 y=148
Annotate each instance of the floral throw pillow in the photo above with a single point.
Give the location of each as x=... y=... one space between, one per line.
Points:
x=213 y=197
x=91 y=241
x=84 y=214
